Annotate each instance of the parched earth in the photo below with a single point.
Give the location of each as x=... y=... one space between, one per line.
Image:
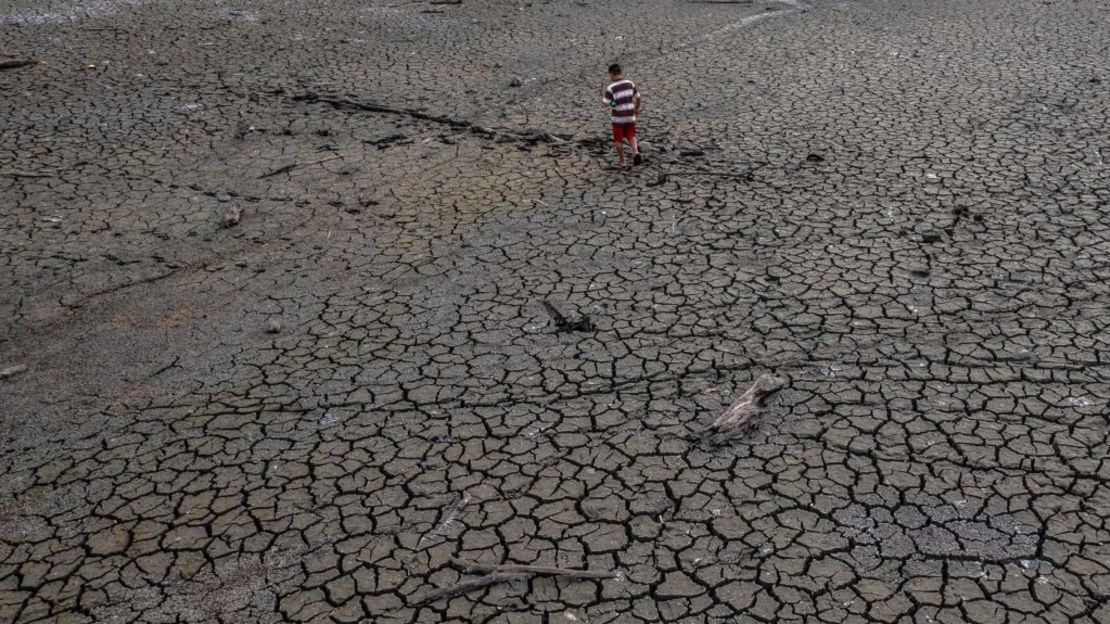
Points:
x=445 y=329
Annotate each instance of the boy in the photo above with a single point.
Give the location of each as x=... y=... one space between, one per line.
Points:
x=622 y=96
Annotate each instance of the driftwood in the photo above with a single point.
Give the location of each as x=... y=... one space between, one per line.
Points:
x=16 y=63
x=501 y=573
x=350 y=102
x=290 y=167
x=12 y=371
x=563 y=324
x=531 y=136
x=278 y=171
x=750 y=404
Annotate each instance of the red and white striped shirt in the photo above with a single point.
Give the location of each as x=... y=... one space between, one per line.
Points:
x=624 y=93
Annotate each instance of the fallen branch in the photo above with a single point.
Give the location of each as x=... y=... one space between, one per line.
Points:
x=322 y=160
x=12 y=173
x=532 y=136
x=750 y=404
x=564 y=324
x=349 y=102
x=288 y=168
x=16 y=63
x=501 y=573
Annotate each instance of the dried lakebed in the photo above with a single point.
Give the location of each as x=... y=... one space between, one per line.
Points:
x=339 y=313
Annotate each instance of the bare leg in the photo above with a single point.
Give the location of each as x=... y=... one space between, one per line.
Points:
x=635 y=145
x=620 y=153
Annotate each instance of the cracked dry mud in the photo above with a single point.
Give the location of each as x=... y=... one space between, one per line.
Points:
x=900 y=209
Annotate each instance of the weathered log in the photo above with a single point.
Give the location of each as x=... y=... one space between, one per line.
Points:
x=563 y=324
x=750 y=404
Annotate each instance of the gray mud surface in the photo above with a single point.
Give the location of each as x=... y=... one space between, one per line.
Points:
x=901 y=209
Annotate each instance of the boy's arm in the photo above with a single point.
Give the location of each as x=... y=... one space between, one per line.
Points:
x=639 y=102
x=605 y=97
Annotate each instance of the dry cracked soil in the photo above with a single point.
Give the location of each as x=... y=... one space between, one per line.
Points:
x=306 y=304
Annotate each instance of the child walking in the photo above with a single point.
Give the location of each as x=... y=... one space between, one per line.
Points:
x=622 y=96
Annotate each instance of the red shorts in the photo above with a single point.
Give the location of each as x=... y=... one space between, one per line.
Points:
x=624 y=132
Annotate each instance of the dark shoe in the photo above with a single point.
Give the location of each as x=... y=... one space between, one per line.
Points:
x=637 y=160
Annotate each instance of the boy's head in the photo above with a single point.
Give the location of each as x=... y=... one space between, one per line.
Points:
x=615 y=71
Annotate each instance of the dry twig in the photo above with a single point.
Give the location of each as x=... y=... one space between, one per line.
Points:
x=290 y=167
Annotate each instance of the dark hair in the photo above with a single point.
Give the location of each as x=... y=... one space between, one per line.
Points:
x=615 y=68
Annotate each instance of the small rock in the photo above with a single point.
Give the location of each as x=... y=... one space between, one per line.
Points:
x=273 y=326
x=223 y=197
x=515 y=82
x=12 y=371
x=815 y=158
